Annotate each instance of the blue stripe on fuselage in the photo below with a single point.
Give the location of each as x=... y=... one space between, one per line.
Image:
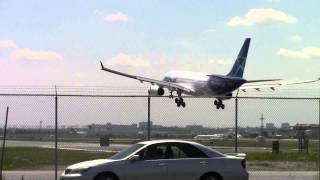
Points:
x=220 y=85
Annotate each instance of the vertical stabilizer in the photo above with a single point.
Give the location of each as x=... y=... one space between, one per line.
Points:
x=238 y=67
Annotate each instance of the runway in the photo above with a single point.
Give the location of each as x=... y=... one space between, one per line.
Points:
x=112 y=147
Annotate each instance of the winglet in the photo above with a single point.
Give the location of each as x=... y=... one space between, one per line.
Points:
x=102 y=67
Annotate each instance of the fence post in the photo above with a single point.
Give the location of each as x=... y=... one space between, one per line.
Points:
x=236 y=126
x=4 y=142
x=236 y=123
x=149 y=121
x=319 y=140
x=56 y=137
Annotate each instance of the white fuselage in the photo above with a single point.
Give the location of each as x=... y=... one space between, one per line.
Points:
x=204 y=84
x=198 y=81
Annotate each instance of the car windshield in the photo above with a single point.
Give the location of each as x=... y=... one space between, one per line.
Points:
x=124 y=153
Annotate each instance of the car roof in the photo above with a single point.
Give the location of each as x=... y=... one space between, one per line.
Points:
x=165 y=141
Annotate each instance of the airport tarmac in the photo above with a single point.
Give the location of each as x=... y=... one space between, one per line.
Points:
x=254 y=175
x=111 y=148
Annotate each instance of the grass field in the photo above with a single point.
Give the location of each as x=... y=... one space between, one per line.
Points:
x=18 y=158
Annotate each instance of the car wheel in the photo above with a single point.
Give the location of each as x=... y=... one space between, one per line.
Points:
x=106 y=177
x=211 y=177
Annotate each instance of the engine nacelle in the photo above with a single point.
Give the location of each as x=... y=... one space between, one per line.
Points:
x=156 y=91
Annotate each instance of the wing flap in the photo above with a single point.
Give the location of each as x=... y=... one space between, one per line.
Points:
x=273 y=85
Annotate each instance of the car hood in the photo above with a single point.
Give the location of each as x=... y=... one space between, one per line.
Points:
x=90 y=163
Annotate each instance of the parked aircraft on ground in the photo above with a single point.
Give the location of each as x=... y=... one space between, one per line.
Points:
x=206 y=84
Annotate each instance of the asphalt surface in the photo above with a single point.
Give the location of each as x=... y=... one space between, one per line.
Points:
x=254 y=175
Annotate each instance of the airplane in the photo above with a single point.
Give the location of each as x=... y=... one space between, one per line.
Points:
x=206 y=84
x=209 y=136
x=77 y=132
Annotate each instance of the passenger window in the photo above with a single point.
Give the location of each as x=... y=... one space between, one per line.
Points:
x=153 y=152
x=177 y=153
x=171 y=151
x=190 y=151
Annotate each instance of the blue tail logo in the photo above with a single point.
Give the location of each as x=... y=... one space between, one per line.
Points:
x=238 y=67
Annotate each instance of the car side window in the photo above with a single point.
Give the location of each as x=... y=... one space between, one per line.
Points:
x=191 y=151
x=152 y=152
x=177 y=153
x=171 y=151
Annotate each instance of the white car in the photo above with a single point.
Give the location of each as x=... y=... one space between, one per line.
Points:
x=161 y=160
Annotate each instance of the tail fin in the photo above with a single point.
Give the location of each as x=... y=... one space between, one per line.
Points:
x=238 y=67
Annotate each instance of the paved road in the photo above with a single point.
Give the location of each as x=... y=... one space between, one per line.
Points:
x=254 y=175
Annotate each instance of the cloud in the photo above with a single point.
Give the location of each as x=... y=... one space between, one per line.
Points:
x=127 y=61
x=262 y=15
x=7 y=44
x=220 y=62
x=117 y=17
x=306 y=53
x=28 y=54
x=296 y=38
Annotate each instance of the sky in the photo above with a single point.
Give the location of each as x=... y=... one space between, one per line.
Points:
x=61 y=43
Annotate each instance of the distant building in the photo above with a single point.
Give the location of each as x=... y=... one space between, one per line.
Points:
x=195 y=127
x=144 y=125
x=285 y=126
x=270 y=126
x=113 y=129
x=270 y=130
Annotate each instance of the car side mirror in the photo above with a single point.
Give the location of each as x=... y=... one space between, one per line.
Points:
x=134 y=158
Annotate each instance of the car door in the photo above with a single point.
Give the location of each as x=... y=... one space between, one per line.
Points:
x=187 y=162
x=150 y=166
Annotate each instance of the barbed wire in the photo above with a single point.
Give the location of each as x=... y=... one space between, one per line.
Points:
x=140 y=90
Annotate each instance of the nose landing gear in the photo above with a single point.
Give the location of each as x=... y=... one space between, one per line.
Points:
x=219 y=104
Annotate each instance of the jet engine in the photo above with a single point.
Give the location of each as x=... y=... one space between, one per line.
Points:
x=156 y=91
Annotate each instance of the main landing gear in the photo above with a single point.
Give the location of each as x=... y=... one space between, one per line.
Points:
x=179 y=101
x=219 y=104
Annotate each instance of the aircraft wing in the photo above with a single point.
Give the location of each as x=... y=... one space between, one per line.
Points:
x=168 y=85
x=272 y=85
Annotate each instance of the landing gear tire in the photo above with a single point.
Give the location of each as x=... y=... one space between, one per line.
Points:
x=176 y=100
x=219 y=104
x=171 y=95
x=179 y=101
x=183 y=104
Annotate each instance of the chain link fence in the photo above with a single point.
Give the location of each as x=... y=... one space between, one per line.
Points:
x=280 y=136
